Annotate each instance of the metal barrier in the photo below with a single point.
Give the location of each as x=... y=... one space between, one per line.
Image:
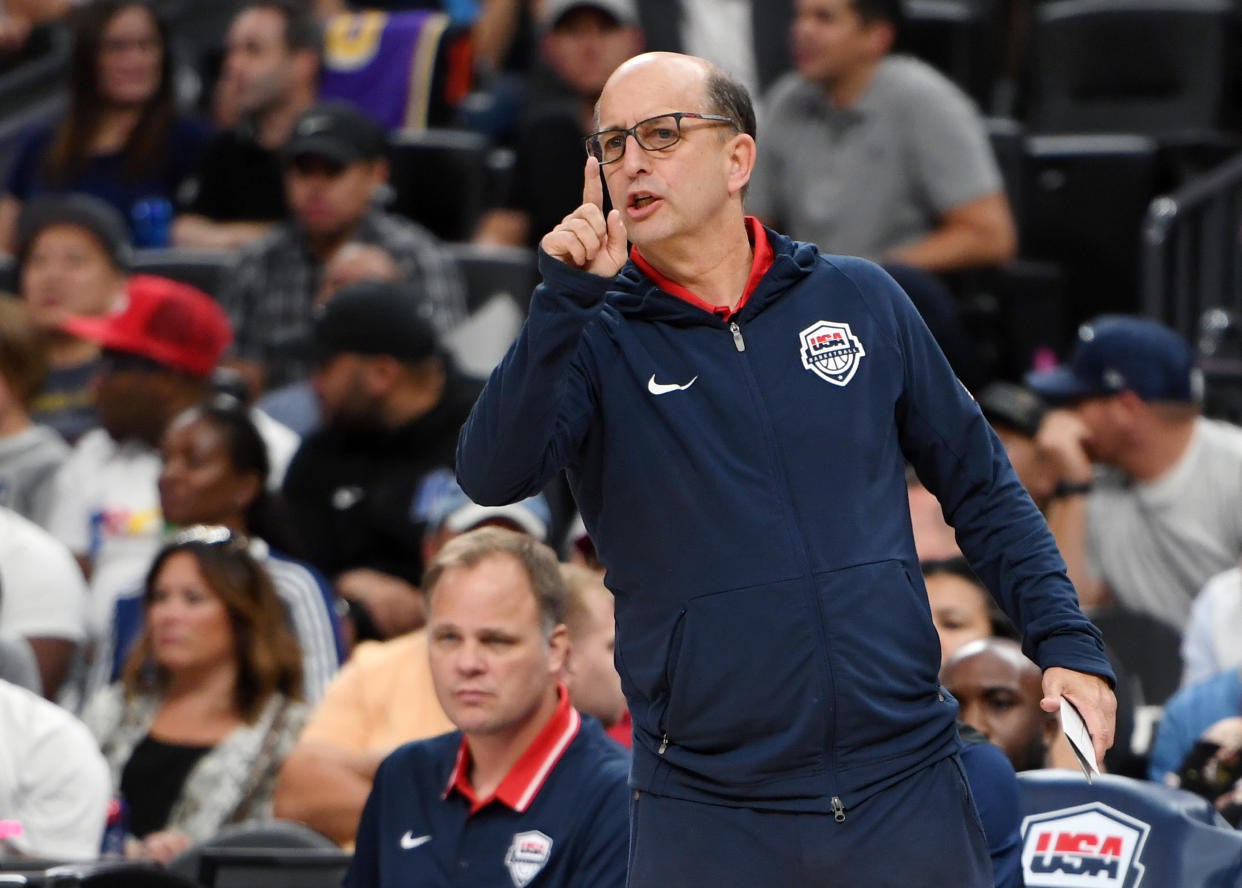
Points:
x=1192 y=249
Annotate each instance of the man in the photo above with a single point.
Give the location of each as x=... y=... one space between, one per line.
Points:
x=159 y=353
x=998 y=691
x=736 y=411
x=525 y=789
x=584 y=41
x=327 y=776
x=1015 y=414
x=1160 y=512
x=876 y=155
x=590 y=674
x=271 y=65
x=30 y=454
x=392 y=404
x=334 y=164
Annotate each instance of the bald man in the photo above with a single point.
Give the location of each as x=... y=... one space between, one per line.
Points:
x=736 y=411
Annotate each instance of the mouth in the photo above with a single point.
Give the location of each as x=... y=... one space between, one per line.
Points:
x=642 y=203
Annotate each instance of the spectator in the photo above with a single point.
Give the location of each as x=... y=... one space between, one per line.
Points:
x=159 y=353
x=1210 y=769
x=1187 y=715
x=392 y=405
x=334 y=163
x=1015 y=414
x=1211 y=643
x=584 y=41
x=327 y=777
x=209 y=703
x=44 y=597
x=998 y=691
x=215 y=467
x=994 y=787
x=932 y=198
x=590 y=672
x=271 y=62
x=525 y=787
x=961 y=608
x=120 y=138
x=1161 y=511
x=53 y=781
x=73 y=252
x=29 y=454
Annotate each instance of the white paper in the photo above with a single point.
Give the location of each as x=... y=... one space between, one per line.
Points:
x=1080 y=739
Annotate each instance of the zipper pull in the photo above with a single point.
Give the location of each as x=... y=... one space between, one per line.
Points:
x=838 y=810
x=663 y=745
x=738 y=341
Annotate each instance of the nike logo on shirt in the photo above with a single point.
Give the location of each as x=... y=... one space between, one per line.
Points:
x=409 y=840
x=663 y=388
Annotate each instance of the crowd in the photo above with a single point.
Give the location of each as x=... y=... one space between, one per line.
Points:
x=238 y=578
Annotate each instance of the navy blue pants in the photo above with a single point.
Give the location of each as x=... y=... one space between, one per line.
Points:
x=920 y=833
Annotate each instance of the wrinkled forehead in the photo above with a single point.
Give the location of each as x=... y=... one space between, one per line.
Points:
x=636 y=94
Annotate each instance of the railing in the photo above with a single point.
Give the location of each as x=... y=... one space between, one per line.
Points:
x=1192 y=249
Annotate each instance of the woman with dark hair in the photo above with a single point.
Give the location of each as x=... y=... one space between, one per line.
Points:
x=209 y=702
x=215 y=469
x=120 y=138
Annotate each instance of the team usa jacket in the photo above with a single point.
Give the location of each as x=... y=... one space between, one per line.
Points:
x=743 y=479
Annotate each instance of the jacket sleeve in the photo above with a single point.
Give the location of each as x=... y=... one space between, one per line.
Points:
x=538 y=402
x=998 y=528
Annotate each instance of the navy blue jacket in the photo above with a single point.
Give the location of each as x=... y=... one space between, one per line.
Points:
x=774 y=638
x=573 y=832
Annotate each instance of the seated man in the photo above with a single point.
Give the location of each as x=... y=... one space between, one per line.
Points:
x=525 y=787
x=877 y=155
x=54 y=783
x=334 y=165
x=590 y=672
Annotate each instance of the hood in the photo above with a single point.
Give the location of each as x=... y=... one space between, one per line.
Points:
x=636 y=294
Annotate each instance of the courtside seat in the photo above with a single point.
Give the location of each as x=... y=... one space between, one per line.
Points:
x=113 y=874
x=205 y=269
x=266 y=835
x=1122 y=832
x=440 y=179
x=499 y=281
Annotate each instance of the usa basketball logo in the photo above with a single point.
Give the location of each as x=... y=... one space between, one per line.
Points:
x=831 y=351
x=1088 y=845
x=527 y=855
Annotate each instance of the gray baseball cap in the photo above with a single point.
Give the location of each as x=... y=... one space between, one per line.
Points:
x=624 y=11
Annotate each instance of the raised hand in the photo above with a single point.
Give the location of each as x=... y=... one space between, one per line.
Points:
x=585 y=238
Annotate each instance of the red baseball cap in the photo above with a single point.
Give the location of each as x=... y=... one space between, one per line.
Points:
x=172 y=323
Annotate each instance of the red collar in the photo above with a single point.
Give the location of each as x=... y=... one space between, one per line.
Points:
x=622 y=730
x=758 y=268
x=520 y=786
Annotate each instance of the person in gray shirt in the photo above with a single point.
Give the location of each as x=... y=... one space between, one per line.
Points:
x=877 y=155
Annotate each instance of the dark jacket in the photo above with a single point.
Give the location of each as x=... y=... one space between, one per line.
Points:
x=773 y=633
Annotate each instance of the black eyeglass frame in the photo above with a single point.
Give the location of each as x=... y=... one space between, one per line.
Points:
x=677 y=116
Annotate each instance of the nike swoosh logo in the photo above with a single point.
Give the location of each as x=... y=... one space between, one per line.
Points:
x=409 y=840
x=663 y=388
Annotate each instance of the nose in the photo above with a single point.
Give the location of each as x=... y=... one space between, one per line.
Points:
x=469 y=660
x=972 y=713
x=635 y=160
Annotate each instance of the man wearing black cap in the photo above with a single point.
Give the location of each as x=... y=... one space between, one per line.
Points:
x=334 y=164
x=1152 y=491
x=392 y=404
x=1015 y=414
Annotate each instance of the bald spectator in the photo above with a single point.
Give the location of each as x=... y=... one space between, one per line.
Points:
x=590 y=672
x=30 y=454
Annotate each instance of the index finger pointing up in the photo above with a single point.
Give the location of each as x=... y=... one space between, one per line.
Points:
x=592 y=188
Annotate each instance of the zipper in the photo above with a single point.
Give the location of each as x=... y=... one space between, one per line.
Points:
x=738 y=342
x=663 y=744
x=838 y=810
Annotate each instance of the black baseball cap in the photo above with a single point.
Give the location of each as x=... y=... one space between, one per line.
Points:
x=374 y=318
x=101 y=219
x=1011 y=405
x=338 y=131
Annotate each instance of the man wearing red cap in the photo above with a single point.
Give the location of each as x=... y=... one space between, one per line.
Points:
x=159 y=351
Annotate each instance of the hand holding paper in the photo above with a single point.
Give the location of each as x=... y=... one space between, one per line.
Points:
x=1092 y=699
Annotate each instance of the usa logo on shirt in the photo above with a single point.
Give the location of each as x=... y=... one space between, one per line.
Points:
x=527 y=856
x=831 y=351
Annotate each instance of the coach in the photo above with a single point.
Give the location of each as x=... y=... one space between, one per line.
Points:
x=736 y=412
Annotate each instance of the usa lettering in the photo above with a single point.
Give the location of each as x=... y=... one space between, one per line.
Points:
x=1077 y=853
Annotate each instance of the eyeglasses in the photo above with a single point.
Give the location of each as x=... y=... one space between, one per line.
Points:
x=653 y=134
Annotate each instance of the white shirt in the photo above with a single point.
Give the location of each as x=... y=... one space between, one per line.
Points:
x=53 y=779
x=1212 y=642
x=722 y=31
x=42 y=592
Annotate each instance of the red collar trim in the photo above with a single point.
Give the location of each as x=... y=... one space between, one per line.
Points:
x=524 y=780
x=758 y=268
x=622 y=730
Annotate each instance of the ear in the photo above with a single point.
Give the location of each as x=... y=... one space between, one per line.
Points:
x=558 y=649
x=379 y=172
x=881 y=36
x=250 y=488
x=741 y=161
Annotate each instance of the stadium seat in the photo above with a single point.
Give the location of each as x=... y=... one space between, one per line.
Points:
x=272 y=834
x=8 y=273
x=962 y=39
x=33 y=88
x=113 y=874
x=1122 y=832
x=205 y=269
x=1084 y=202
x=499 y=281
x=440 y=179
x=1158 y=67
x=1149 y=649
x=273 y=868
